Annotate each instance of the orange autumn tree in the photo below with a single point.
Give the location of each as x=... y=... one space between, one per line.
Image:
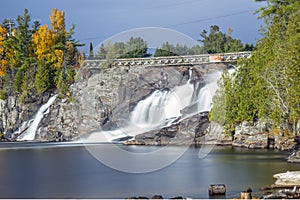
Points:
x=3 y=61
x=53 y=47
x=58 y=26
x=35 y=58
x=44 y=42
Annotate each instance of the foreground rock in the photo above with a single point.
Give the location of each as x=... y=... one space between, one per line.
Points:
x=155 y=197
x=217 y=189
x=285 y=187
x=287 y=179
x=295 y=157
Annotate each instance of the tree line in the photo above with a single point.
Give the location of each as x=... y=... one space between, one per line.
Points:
x=213 y=42
x=35 y=58
x=266 y=86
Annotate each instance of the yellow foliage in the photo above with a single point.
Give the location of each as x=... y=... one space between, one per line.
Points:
x=3 y=62
x=57 y=19
x=3 y=66
x=43 y=40
x=59 y=54
x=3 y=36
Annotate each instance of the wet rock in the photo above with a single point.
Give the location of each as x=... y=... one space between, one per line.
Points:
x=246 y=195
x=157 y=197
x=287 y=179
x=275 y=195
x=217 y=189
x=180 y=133
x=178 y=197
x=294 y=157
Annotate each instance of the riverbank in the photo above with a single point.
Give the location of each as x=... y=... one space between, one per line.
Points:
x=286 y=186
x=197 y=130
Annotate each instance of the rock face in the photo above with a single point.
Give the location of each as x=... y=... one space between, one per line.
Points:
x=250 y=136
x=284 y=143
x=99 y=99
x=185 y=132
x=258 y=135
x=13 y=113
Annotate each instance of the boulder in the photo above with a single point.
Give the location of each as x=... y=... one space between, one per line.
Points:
x=157 y=197
x=258 y=141
x=182 y=132
x=284 y=143
x=251 y=136
x=217 y=189
x=294 y=157
x=287 y=179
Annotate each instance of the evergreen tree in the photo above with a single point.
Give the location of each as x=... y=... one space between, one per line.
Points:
x=267 y=85
x=161 y=53
x=21 y=58
x=91 y=54
x=44 y=77
x=102 y=52
x=135 y=48
x=219 y=42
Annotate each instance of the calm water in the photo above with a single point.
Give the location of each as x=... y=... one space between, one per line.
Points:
x=71 y=172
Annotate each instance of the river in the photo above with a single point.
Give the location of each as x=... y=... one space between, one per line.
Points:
x=49 y=171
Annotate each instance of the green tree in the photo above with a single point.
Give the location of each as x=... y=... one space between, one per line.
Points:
x=267 y=85
x=91 y=53
x=233 y=45
x=135 y=48
x=44 y=77
x=161 y=53
x=197 y=50
x=102 y=52
x=25 y=61
x=218 y=42
x=215 y=41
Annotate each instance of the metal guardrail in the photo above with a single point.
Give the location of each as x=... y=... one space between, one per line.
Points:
x=171 y=60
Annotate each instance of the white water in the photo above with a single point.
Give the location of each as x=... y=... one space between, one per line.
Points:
x=30 y=133
x=162 y=108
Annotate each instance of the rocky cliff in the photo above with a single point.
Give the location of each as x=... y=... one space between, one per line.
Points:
x=101 y=99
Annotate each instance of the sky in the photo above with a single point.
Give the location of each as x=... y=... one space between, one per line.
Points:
x=98 y=20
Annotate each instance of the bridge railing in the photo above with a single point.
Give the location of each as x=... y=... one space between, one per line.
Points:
x=171 y=60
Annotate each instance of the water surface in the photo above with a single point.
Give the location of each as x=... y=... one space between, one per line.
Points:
x=71 y=172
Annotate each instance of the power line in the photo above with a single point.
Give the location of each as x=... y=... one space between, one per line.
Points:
x=208 y=19
x=189 y=22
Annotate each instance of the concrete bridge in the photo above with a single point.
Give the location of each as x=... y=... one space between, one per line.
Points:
x=189 y=60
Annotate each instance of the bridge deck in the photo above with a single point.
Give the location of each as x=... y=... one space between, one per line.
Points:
x=171 y=60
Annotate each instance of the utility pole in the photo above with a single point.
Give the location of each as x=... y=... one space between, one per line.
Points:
x=10 y=23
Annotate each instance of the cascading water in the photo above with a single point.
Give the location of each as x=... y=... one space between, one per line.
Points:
x=163 y=107
x=30 y=133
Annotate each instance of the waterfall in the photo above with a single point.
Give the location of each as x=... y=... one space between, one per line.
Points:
x=30 y=133
x=151 y=111
x=190 y=73
x=162 y=107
